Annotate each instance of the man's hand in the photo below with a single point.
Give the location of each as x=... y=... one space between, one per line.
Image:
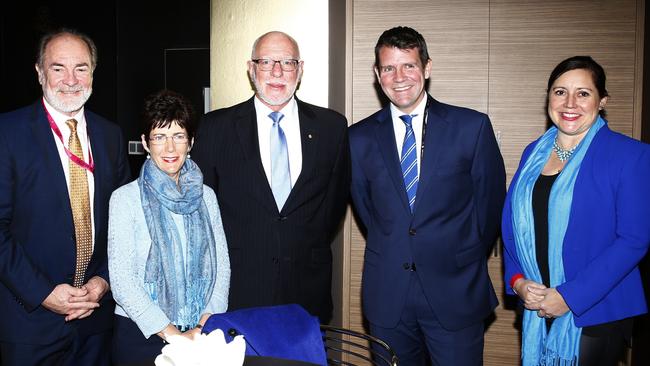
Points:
x=96 y=288
x=63 y=300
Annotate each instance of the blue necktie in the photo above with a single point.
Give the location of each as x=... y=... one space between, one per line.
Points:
x=409 y=160
x=280 y=176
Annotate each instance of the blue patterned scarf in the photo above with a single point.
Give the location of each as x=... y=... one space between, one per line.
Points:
x=180 y=281
x=561 y=345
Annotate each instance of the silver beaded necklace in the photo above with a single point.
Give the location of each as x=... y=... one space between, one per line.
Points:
x=561 y=153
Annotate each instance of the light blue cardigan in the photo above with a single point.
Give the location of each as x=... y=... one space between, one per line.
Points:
x=608 y=231
x=128 y=248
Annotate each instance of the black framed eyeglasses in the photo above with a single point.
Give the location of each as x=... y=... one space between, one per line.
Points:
x=266 y=64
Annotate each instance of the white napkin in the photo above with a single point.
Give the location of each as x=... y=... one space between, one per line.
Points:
x=203 y=350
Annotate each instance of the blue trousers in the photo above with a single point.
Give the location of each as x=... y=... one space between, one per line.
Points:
x=419 y=335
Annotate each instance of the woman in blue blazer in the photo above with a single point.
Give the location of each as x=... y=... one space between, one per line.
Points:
x=575 y=225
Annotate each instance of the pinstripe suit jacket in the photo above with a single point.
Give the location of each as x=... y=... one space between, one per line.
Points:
x=277 y=257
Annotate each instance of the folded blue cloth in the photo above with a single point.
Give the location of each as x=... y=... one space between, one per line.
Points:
x=284 y=331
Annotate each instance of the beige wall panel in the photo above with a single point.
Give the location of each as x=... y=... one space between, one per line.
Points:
x=528 y=38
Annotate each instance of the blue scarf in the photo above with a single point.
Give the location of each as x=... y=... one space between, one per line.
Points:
x=180 y=282
x=561 y=345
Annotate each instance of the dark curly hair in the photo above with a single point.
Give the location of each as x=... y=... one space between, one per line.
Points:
x=165 y=107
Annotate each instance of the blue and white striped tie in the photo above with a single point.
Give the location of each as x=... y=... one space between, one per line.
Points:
x=409 y=160
x=280 y=175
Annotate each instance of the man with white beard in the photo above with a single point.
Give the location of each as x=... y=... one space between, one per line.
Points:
x=59 y=165
x=281 y=170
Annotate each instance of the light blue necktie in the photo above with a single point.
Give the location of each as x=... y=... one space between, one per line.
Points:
x=280 y=175
x=409 y=160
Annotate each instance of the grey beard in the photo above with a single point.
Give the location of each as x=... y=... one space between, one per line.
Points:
x=67 y=107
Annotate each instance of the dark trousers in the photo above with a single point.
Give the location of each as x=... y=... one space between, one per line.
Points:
x=70 y=350
x=601 y=350
x=419 y=335
x=130 y=347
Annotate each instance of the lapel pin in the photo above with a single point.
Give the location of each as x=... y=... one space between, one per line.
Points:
x=309 y=136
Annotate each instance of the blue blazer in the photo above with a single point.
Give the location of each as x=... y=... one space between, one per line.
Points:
x=608 y=231
x=37 y=245
x=454 y=223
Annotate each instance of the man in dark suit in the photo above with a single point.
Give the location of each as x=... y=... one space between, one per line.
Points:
x=281 y=171
x=428 y=183
x=59 y=165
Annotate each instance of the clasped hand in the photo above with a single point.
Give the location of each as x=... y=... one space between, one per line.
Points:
x=76 y=303
x=548 y=302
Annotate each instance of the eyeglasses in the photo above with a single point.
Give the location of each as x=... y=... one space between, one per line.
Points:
x=179 y=139
x=266 y=64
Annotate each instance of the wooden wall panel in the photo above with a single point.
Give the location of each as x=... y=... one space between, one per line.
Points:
x=495 y=56
x=527 y=40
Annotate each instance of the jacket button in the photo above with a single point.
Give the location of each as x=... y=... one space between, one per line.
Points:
x=406 y=266
x=275 y=260
x=412 y=232
x=282 y=218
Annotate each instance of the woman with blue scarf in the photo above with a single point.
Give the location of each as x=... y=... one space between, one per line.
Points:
x=167 y=254
x=575 y=226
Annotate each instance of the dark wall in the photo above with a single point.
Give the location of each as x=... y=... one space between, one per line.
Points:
x=134 y=41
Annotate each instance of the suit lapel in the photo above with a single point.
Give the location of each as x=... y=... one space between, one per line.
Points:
x=433 y=145
x=245 y=123
x=385 y=135
x=45 y=142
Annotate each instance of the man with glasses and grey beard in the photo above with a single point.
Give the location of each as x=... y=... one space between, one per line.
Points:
x=59 y=164
x=281 y=171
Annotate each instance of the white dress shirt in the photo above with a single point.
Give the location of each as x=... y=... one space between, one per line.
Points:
x=400 y=128
x=59 y=120
x=291 y=127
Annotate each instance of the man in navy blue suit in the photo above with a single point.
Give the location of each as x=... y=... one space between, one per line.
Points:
x=428 y=183
x=59 y=165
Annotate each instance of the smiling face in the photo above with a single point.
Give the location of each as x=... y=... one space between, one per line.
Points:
x=574 y=103
x=275 y=87
x=402 y=76
x=66 y=75
x=169 y=156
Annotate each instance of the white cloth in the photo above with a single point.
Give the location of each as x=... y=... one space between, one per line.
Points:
x=291 y=126
x=400 y=129
x=82 y=132
x=203 y=350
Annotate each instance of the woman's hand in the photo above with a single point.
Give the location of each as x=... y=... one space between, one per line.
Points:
x=169 y=330
x=553 y=305
x=198 y=329
x=530 y=292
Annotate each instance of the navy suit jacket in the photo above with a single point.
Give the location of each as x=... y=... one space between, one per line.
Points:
x=608 y=232
x=277 y=257
x=37 y=244
x=455 y=220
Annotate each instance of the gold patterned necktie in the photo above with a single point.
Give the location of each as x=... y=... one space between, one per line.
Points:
x=80 y=204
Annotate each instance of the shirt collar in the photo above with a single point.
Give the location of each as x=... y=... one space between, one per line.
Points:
x=263 y=110
x=419 y=110
x=60 y=118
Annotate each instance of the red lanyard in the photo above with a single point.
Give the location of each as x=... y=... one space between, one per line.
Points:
x=90 y=166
